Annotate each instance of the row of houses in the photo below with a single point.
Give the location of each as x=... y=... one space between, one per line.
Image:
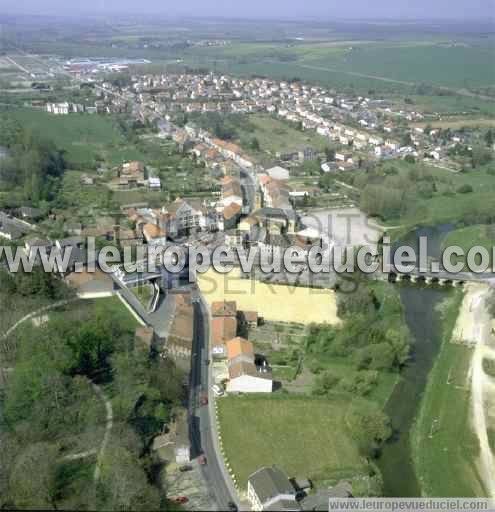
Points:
x=241 y=368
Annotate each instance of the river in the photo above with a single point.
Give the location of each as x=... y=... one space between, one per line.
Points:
x=419 y=304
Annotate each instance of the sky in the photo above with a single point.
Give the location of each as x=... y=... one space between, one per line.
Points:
x=283 y=9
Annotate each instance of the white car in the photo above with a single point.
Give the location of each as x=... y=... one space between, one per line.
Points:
x=217 y=390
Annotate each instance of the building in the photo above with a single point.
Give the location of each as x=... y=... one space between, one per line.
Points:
x=231 y=215
x=278 y=173
x=180 y=338
x=244 y=375
x=269 y=488
x=224 y=308
x=249 y=319
x=223 y=329
x=154 y=235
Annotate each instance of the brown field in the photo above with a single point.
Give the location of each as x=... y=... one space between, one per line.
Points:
x=276 y=303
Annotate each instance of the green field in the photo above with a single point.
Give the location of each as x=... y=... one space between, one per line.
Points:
x=444 y=446
x=427 y=195
x=84 y=137
x=472 y=236
x=276 y=135
x=384 y=66
x=304 y=436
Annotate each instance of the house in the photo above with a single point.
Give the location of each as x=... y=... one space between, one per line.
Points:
x=34 y=246
x=154 y=184
x=329 y=167
x=244 y=375
x=223 y=329
x=73 y=228
x=77 y=255
x=343 y=157
x=276 y=220
x=27 y=212
x=231 y=214
x=188 y=215
x=248 y=319
x=154 y=235
x=278 y=173
x=269 y=488
x=231 y=191
x=9 y=231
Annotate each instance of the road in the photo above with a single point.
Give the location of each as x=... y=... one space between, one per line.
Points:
x=248 y=185
x=202 y=430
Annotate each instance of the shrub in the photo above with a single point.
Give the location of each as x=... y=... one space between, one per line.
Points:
x=465 y=189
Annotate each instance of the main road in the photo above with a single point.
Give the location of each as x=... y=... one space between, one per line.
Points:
x=202 y=422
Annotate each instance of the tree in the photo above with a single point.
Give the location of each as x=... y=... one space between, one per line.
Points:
x=124 y=485
x=329 y=154
x=254 y=144
x=368 y=426
x=489 y=138
x=32 y=482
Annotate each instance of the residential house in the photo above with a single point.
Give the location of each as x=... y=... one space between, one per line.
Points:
x=249 y=319
x=154 y=235
x=223 y=329
x=269 y=488
x=244 y=375
x=231 y=215
x=278 y=173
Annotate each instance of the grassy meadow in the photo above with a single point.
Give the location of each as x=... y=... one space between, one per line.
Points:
x=305 y=436
x=85 y=138
x=444 y=446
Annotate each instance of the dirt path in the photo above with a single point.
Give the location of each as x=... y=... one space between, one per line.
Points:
x=108 y=430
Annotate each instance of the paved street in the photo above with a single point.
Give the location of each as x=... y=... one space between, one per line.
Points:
x=203 y=437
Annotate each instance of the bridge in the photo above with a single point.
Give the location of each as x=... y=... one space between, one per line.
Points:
x=436 y=275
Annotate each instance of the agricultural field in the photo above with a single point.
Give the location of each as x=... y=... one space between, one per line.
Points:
x=445 y=448
x=359 y=64
x=305 y=436
x=277 y=303
x=85 y=138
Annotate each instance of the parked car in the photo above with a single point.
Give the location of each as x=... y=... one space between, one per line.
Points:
x=203 y=400
x=180 y=500
x=232 y=506
x=202 y=459
x=217 y=390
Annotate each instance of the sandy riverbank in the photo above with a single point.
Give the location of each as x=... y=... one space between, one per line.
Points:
x=474 y=327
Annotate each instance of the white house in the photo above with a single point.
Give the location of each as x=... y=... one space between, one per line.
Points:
x=244 y=375
x=269 y=488
x=278 y=173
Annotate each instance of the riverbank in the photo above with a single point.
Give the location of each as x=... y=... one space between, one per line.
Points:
x=444 y=446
